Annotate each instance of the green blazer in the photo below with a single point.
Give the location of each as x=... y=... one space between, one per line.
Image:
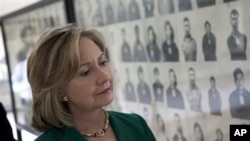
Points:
x=127 y=127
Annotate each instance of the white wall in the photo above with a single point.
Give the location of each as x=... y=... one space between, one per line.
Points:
x=8 y=6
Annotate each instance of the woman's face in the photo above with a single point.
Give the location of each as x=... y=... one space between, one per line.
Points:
x=92 y=86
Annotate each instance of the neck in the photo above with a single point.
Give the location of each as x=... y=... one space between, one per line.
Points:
x=235 y=32
x=89 y=121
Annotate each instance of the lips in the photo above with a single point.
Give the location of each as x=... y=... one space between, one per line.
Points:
x=107 y=89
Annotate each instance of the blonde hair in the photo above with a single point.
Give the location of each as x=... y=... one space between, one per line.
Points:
x=52 y=64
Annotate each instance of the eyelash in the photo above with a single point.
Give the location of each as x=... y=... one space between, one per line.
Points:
x=103 y=64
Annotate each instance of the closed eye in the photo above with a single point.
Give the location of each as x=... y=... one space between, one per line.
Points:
x=104 y=63
x=86 y=73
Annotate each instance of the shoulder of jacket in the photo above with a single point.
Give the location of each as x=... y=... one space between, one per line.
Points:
x=133 y=117
x=52 y=134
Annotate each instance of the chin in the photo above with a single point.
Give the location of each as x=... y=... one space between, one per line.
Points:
x=107 y=100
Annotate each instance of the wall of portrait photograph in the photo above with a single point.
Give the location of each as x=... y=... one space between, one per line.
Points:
x=21 y=32
x=181 y=64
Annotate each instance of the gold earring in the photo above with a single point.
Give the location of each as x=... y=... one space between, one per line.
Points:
x=65 y=99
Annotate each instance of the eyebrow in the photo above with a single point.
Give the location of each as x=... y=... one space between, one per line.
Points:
x=99 y=58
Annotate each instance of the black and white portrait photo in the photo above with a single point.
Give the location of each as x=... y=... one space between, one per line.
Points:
x=98 y=17
x=139 y=50
x=214 y=98
x=194 y=93
x=109 y=12
x=237 y=41
x=209 y=43
x=198 y=132
x=153 y=50
x=178 y=136
x=143 y=90
x=174 y=95
x=129 y=90
x=122 y=14
x=165 y=7
x=149 y=7
x=189 y=44
x=169 y=48
x=161 y=131
x=219 y=135
x=133 y=10
x=239 y=99
x=157 y=86
x=126 y=52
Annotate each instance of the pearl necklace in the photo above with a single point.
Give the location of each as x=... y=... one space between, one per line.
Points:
x=101 y=132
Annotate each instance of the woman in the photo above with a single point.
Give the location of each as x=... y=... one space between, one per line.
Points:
x=219 y=135
x=199 y=136
x=161 y=129
x=153 y=50
x=71 y=82
x=169 y=48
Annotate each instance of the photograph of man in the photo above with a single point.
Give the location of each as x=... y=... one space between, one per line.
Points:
x=198 y=133
x=149 y=7
x=97 y=17
x=204 y=3
x=219 y=135
x=133 y=10
x=239 y=99
x=143 y=88
x=179 y=136
x=237 y=42
x=194 y=94
x=185 y=5
x=109 y=13
x=157 y=86
x=209 y=44
x=161 y=131
x=129 y=88
x=169 y=48
x=214 y=98
x=165 y=7
x=139 y=51
x=189 y=43
x=125 y=48
x=153 y=51
x=174 y=96
x=122 y=12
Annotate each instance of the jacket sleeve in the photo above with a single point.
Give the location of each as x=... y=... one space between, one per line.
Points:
x=147 y=130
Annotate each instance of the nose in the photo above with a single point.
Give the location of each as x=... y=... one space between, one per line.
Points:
x=103 y=75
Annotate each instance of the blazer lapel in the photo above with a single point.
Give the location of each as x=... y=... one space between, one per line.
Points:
x=122 y=131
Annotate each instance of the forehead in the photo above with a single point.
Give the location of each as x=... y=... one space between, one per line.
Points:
x=88 y=49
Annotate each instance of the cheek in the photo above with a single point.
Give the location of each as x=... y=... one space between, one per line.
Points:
x=80 y=90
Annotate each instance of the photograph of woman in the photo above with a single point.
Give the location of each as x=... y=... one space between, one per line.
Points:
x=152 y=46
x=169 y=48
x=71 y=86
